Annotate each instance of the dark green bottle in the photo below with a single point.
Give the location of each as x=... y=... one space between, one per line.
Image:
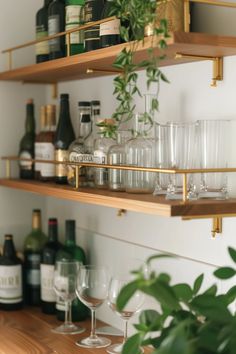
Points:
x=33 y=247
x=109 y=31
x=56 y=24
x=27 y=143
x=63 y=138
x=11 y=289
x=42 y=48
x=71 y=251
x=74 y=13
x=48 y=295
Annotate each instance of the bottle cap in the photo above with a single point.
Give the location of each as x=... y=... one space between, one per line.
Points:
x=8 y=237
x=52 y=221
x=42 y=116
x=85 y=118
x=84 y=104
x=95 y=103
x=64 y=96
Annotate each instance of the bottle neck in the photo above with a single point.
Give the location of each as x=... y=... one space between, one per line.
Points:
x=64 y=111
x=9 y=249
x=36 y=221
x=84 y=130
x=30 y=121
x=52 y=233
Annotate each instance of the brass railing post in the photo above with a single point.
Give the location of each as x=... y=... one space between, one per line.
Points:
x=8 y=169
x=68 y=44
x=77 y=172
x=185 y=187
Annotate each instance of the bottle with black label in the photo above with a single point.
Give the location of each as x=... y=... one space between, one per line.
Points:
x=56 y=24
x=109 y=31
x=73 y=19
x=92 y=12
x=33 y=247
x=27 y=143
x=11 y=289
x=48 y=295
x=42 y=48
x=63 y=138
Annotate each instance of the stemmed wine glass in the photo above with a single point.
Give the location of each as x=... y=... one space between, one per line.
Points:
x=64 y=285
x=92 y=290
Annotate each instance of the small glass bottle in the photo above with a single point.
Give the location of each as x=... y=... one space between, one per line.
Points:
x=140 y=152
x=117 y=156
x=96 y=116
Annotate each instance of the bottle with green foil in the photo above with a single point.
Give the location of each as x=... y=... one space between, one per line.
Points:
x=71 y=251
x=74 y=14
x=33 y=247
x=42 y=48
x=27 y=143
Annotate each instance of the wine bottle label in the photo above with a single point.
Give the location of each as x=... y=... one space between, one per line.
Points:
x=75 y=37
x=100 y=157
x=110 y=28
x=53 y=28
x=33 y=270
x=11 y=284
x=77 y=157
x=25 y=165
x=42 y=48
x=47 y=277
x=45 y=151
x=73 y=14
x=61 y=169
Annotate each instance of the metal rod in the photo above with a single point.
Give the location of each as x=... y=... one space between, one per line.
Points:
x=8 y=169
x=91 y=71
x=185 y=187
x=77 y=171
x=216 y=3
x=217 y=226
x=68 y=44
x=197 y=57
x=9 y=60
x=186 y=16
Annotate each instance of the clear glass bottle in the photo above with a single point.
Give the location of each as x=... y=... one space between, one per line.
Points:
x=117 y=156
x=140 y=153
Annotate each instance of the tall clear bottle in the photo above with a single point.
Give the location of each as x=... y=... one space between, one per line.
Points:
x=70 y=251
x=73 y=19
x=56 y=24
x=11 y=284
x=48 y=295
x=27 y=143
x=63 y=138
x=33 y=247
x=42 y=48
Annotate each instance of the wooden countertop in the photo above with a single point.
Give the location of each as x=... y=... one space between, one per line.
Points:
x=29 y=332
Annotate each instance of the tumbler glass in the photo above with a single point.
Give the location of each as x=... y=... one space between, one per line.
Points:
x=214 y=143
x=182 y=144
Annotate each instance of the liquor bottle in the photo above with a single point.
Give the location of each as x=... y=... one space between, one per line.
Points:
x=44 y=145
x=92 y=12
x=77 y=149
x=11 y=289
x=68 y=252
x=109 y=31
x=56 y=24
x=33 y=246
x=27 y=143
x=73 y=19
x=42 y=48
x=48 y=295
x=63 y=138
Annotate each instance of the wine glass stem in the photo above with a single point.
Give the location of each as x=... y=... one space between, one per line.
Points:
x=93 y=323
x=125 y=331
x=67 y=312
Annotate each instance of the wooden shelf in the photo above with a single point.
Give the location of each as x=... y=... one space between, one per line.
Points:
x=144 y=203
x=29 y=331
x=75 y=67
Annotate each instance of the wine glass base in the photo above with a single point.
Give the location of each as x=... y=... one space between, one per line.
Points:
x=96 y=342
x=117 y=349
x=68 y=329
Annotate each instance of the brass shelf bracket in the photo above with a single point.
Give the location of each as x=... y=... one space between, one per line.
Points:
x=54 y=91
x=217 y=222
x=121 y=212
x=216 y=226
x=217 y=62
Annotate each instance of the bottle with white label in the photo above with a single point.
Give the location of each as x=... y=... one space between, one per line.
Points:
x=56 y=24
x=33 y=246
x=74 y=10
x=48 y=295
x=11 y=289
x=42 y=48
x=109 y=31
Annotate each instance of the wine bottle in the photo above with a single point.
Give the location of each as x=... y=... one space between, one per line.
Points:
x=48 y=295
x=38 y=143
x=71 y=251
x=56 y=24
x=92 y=12
x=63 y=138
x=73 y=19
x=27 y=143
x=109 y=31
x=11 y=290
x=42 y=48
x=33 y=246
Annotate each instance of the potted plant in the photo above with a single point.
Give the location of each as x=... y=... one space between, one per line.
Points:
x=190 y=321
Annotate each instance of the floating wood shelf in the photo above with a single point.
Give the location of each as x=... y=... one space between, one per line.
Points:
x=101 y=60
x=145 y=203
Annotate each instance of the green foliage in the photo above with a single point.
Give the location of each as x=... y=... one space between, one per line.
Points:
x=189 y=321
x=135 y=15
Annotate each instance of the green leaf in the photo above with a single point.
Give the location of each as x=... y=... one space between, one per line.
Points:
x=211 y=291
x=225 y=273
x=183 y=292
x=151 y=320
x=125 y=294
x=132 y=345
x=232 y=253
x=158 y=256
x=197 y=284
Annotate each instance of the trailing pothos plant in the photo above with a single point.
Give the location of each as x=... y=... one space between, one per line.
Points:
x=190 y=321
x=135 y=16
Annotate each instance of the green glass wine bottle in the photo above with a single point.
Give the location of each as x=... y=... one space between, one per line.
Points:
x=48 y=295
x=27 y=143
x=33 y=246
x=42 y=48
x=73 y=19
x=11 y=292
x=56 y=24
x=71 y=251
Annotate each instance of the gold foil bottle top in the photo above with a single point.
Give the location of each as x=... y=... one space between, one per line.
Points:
x=43 y=122
x=36 y=219
x=8 y=237
x=51 y=114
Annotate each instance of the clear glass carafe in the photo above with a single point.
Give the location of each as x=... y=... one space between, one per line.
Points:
x=140 y=152
x=117 y=156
